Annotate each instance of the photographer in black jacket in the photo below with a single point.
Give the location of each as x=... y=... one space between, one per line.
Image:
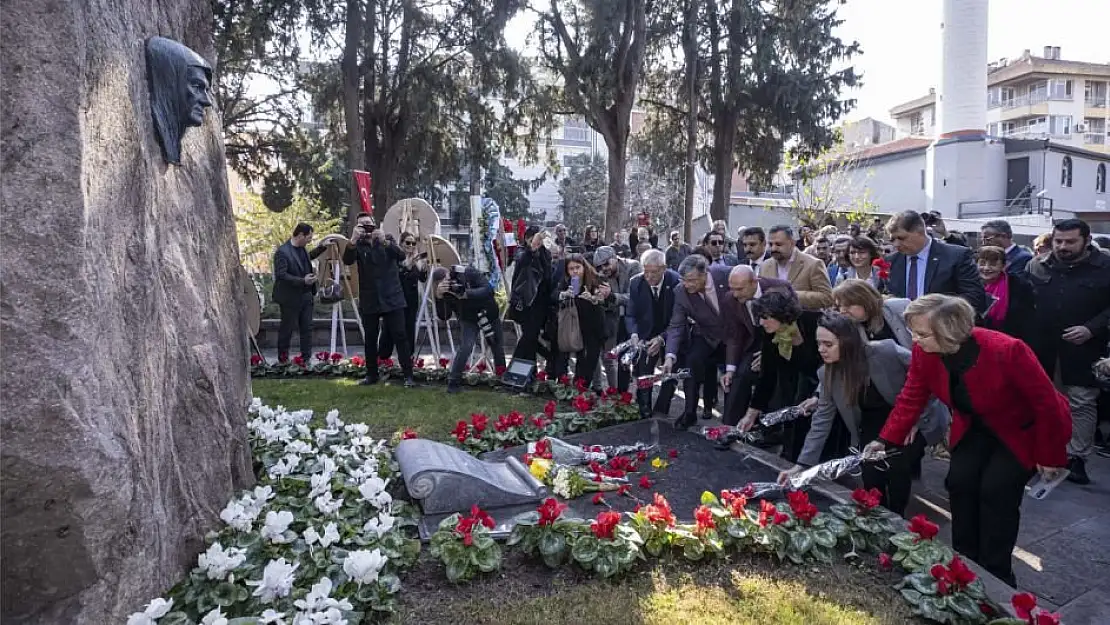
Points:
x=467 y=294
x=380 y=297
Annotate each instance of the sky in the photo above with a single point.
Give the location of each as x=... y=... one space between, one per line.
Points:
x=901 y=41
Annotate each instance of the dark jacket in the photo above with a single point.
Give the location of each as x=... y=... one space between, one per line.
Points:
x=1017 y=259
x=638 y=313
x=1011 y=395
x=746 y=333
x=379 y=278
x=591 y=317
x=532 y=284
x=951 y=270
x=793 y=379
x=478 y=298
x=289 y=272
x=693 y=309
x=1066 y=296
x=675 y=255
x=411 y=277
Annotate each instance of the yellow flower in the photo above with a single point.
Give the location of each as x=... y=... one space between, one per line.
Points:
x=658 y=463
x=539 y=468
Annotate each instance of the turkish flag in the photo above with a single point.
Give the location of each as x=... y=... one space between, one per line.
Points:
x=362 y=179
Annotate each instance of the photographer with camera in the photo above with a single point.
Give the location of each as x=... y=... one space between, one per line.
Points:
x=466 y=293
x=380 y=296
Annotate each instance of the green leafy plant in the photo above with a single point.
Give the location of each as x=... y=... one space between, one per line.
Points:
x=465 y=545
x=546 y=533
x=609 y=548
x=917 y=548
x=796 y=531
x=653 y=522
x=945 y=594
x=868 y=527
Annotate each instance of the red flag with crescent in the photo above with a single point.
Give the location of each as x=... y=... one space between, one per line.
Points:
x=362 y=180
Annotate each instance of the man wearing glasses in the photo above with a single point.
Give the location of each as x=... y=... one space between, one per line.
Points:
x=380 y=296
x=715 y=243
x=998 y=233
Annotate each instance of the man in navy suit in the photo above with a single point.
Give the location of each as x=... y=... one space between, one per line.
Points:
x=701 y=303
x=294 y=290
x=998 y=233
x=646 y=317
x=924 y=265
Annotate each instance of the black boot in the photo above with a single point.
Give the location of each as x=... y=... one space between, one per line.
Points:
x=643 y=402
x=1078 y=470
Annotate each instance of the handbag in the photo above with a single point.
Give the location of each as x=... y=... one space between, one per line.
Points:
x=570 y=333
x=333 y=291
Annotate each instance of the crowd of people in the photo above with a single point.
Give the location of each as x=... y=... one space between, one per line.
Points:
x=898 y=338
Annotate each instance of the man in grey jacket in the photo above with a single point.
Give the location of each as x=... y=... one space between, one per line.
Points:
x=617 y=273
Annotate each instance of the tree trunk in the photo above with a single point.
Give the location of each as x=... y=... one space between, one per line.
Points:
x=691 y=54
x=725 y=139
x=356 y=149
x=615 y=213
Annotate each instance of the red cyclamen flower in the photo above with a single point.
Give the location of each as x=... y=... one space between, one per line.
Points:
x=885 y=561
x=923 y=527
x=550 y=510
x=703 y=517
x=866 y=500
x=1024 y=603
x=598 y=499
x=408 y=434
x=605 y=524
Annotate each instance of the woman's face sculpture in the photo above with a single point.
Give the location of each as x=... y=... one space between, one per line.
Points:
x=179 y=81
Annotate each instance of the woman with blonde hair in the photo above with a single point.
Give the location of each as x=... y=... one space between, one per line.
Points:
x=881 y=319
x=1008 y=423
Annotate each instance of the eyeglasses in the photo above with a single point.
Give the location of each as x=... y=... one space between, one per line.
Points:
x=716 y=243
x=409 y=243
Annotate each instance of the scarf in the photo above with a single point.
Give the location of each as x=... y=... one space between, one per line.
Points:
x=783 y=340
x=1000 y=290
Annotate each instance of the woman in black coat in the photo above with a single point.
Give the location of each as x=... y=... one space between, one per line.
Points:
x=592 y=291
x=530 y=301
x=788 y=364
x=1012 y=295
x=412 y=271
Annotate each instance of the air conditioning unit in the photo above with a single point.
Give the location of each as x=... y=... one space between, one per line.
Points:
x=1079 y=128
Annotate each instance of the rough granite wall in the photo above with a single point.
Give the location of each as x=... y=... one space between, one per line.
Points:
x=124 y=380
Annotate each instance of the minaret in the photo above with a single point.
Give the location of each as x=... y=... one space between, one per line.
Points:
x=961 y=162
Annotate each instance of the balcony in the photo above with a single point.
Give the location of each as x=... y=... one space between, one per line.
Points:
x=1094 y=138
x=1095 y=102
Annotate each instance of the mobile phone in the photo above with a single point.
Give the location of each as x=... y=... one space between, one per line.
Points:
x=575 y=285
x=1041 y=488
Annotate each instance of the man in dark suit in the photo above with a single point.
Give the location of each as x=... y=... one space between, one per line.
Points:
x=380 y=297
x=923 y=264
x=998 y=233
x=743 y=350
x=646 y=317
x=702 y=307
x=294 y=290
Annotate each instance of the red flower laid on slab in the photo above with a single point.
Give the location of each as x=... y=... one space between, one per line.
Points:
x=866 y=499
x=886 y=563
x=479 y=421
x=605 y=524
x=703 y=517
x=443 y=363
x=256 y=360
x=645 y=482
x=598 y=499
x=549 y=408
x=408 y=434
x=623 y=489
x=641 y=456
x=1024 y=603
x=673 y=453
x=541 y=376
x=923 y=527
x=550 y=510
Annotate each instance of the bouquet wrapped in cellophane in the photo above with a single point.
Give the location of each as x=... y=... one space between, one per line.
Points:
x=565 y=453
x=785 y=415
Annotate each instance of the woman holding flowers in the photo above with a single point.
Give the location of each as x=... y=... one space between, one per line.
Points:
x=860 y=380
x=1008 y=422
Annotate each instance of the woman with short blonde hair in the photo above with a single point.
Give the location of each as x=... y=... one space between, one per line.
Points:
x=881 y=318
x=1008 y=422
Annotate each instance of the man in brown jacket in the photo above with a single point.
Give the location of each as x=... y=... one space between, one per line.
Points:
x=808 y=275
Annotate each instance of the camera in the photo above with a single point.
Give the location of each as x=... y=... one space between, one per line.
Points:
x=929 y=219
x=457 y=278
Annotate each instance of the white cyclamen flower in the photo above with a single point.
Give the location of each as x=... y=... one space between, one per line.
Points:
x=311 y=536
x=154 y=610
x=379 y=525
x=357 y=429
x=332 y=419
x=262 y=494
x=272 y=617
x=319 y=599
x=299 y=447
x=276 y=524
x=363 y=566
x=218 y=562
x=277 y=580
x=215 y=617
x=373 y=491
x=321 y=483
x=331 y=535
x=256 y=403
x=238 y=516
x=327 y=505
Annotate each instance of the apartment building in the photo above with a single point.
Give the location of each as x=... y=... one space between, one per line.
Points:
x=1032 y=97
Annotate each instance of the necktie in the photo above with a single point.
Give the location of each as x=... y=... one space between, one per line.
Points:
x=911 y=288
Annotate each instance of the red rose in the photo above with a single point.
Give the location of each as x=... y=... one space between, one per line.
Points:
x=923 y=527
x=408 y=434
x=550 y=510
x=605 y=524
x=256 y=360
x=1024 y=604
x=645 y=482
x=598 y=499
x=673 y=453
x=886 y=563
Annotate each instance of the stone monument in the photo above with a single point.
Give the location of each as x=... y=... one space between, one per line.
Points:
x=445 y=479
x=121 y=324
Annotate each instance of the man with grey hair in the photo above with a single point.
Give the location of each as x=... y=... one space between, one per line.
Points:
x=617 y=273
x=702 y=308
x=997 y=232
x=647 y=315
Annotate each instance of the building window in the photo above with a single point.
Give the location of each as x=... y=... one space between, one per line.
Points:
x=1060 y=125
x=1100 y=178
x=917 y=125
x=1060 y=89
x=1065 y=172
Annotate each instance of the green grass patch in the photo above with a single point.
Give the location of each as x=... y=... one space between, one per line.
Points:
x=388 y=407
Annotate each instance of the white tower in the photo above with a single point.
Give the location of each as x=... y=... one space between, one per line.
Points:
x=960 y=161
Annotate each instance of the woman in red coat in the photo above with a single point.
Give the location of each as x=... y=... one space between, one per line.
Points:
x=1008 y=422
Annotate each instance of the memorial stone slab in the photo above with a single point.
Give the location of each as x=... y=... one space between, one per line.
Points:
x=446 y=480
